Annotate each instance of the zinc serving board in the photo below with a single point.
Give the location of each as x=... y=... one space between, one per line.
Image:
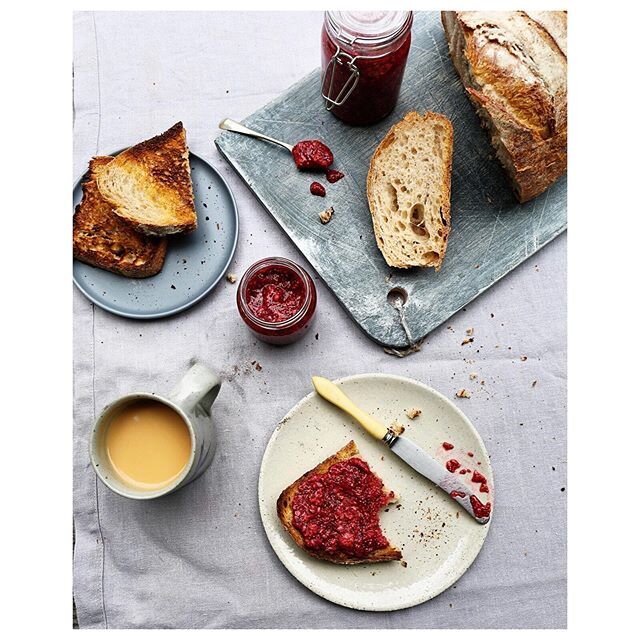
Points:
x=491 y=233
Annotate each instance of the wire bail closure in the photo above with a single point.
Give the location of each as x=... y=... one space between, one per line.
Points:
x=343 y=59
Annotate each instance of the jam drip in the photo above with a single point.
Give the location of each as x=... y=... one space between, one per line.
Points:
x=275 y=294
x=317 y=189
x=310 y=155
x=337 y=512
x=333 y=175
x=452 y=465
x=480 y=510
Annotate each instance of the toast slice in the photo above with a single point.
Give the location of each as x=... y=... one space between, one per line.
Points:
x=409 y=191
x=149 y=184
x=102 y=239
x=330 y=519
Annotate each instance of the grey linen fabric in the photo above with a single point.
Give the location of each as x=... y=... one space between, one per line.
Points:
x=199 y=558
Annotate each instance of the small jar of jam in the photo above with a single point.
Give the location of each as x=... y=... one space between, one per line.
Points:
x=363 y=59
x=277 y=300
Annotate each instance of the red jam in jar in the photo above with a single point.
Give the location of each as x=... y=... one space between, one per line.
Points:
x=277 y=300
x=363 y=59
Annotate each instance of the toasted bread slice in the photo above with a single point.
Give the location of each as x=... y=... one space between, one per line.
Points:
x=102 y=239
x=149 y=184
x=286 y=515
x=409 y=187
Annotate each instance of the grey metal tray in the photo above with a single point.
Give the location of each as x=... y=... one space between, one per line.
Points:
x=491 y=233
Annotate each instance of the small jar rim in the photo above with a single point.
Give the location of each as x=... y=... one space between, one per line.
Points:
x=369 y=41
x=283 y=262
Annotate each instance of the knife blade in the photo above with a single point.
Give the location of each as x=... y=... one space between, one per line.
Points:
x=416 y=457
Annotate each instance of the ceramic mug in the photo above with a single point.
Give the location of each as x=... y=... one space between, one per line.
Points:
x=191 y=399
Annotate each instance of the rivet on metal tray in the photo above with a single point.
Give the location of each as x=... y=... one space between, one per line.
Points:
x=397 y=297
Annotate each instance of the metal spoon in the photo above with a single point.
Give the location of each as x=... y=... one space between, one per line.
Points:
x=231 y=125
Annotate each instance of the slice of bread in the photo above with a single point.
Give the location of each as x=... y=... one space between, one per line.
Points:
x=286 y=515
x=102 y=239
x=149 y=184
x=409 y=189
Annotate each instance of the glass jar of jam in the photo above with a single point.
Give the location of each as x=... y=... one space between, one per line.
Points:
x=277 y=300
x=363 y=59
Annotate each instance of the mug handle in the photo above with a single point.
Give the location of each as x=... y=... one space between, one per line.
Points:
x=199 y=386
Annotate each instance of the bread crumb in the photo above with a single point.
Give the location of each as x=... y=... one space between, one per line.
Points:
x=412 y=414
x=470 y=331
x=523 y=358
x=466 y=341
x=403 y=563
x=231 y=277
x=473 y=376
x=397 y=428
x=326 y=215
x=462 y=393
x=534 y=383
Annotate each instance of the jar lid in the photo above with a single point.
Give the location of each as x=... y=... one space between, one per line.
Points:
x=368 y=27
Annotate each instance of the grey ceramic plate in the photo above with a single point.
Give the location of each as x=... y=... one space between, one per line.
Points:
x=194 y=264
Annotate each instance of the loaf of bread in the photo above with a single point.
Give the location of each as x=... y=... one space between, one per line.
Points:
x=149 y=184
x=514 y=67
x=409 y=187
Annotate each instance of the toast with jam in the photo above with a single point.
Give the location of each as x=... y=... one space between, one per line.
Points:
x=332 y=511
x=104 y=240
x=149 y=184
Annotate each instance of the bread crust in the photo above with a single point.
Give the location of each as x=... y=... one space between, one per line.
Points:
x=158 y=170
x=410 y=120
x=285 y=514
x=104 y=240
x=513 y=66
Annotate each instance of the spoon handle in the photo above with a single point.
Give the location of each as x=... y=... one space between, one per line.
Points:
x=231 y=125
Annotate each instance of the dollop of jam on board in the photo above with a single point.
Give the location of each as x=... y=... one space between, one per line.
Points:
x=310 y=155
x=447 y=446
x=337 y=511
x=317 y=189
x=275 y=294
x=333 y=175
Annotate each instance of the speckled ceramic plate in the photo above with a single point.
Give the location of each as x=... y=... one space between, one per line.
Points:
x=438 y=540
x=194 y=264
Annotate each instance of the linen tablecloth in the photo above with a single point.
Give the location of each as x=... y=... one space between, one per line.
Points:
x=199 y=557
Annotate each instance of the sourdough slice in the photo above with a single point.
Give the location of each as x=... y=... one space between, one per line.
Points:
x=285 y=513
x=513 y=65
x=149 y=184
x=409 y=190
x=102 y=239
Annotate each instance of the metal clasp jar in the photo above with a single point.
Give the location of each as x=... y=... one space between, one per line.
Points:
x=363 y=59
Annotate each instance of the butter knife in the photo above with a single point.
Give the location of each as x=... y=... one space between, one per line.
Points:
x=411 y=453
